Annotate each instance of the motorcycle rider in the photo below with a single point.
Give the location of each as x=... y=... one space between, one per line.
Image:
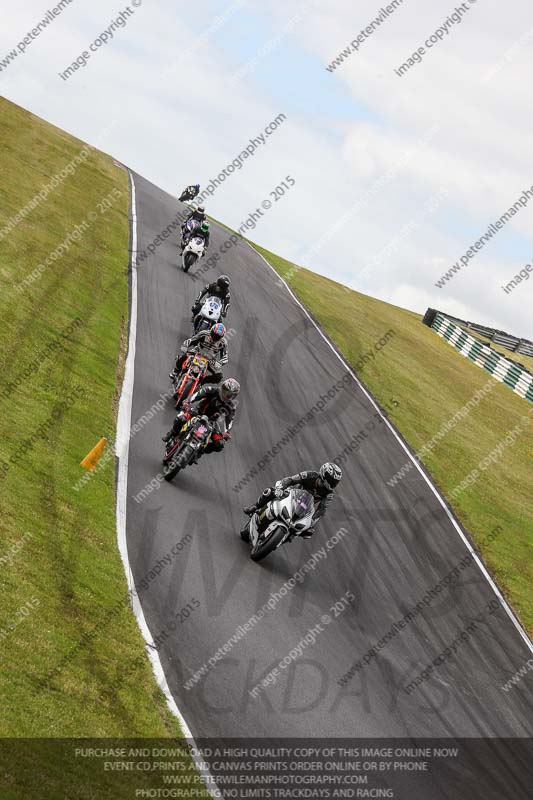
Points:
x=191 y=191
x=196 y=215
x=320 y=484
x=213 y=401
x=211 y=344
x=219 y=288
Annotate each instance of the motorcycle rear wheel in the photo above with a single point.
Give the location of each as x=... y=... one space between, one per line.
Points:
x=203 y=325
x=188 y=261
x=186 y=392
x=177 y=463
x=262 y=549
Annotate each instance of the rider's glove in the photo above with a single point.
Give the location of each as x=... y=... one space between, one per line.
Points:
x=278 y=491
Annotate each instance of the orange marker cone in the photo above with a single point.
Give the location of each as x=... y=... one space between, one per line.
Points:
x=92 y=458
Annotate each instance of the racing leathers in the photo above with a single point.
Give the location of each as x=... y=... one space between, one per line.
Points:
x=203 y=344
x=207 y=401
x=198 y=217
x=212 y=290
x=311 y=482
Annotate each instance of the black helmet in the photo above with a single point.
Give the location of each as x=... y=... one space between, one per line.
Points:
x=201 y=209
x=330 y=474
x=229 y=389
x=223 y=282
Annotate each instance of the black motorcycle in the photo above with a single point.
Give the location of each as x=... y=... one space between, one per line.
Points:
x=188 y=194
x=186 y=448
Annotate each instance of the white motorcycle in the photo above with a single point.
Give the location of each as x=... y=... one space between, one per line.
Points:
x=279 y=521
x=192 y=253
x=209 y=314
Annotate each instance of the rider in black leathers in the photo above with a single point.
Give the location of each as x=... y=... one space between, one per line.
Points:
x=191 y=191
x=196 y=215
x=213 y=401
x=212 y=344
x=320 y=484
x=219 y=288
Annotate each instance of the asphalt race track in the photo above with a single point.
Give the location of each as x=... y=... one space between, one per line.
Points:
x=398 y=542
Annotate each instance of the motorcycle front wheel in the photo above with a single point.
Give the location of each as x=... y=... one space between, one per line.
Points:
x=266 y=546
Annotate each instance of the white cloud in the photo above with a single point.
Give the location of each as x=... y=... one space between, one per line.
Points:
x=178 y=116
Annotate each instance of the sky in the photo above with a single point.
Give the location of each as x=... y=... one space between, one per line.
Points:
x=394 y=176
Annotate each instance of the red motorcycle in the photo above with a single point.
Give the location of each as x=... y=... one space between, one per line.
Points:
x=193 y=372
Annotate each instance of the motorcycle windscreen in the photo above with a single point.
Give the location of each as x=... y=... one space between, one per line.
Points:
x=302 y=503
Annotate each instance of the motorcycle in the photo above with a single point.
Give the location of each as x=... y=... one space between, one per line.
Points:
x=194 y=371
x=188 y=194
x=278 y=522
x=186 y=448
x=209 y=314
x=192 y=252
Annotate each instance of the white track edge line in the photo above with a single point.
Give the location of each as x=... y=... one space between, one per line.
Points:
x=122 y=453
x=433 y=488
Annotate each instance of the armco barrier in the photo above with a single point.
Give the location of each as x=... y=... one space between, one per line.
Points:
x=512 y=374
x=512 y=343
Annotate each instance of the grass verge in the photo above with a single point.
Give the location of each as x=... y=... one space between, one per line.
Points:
x=67 y=634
